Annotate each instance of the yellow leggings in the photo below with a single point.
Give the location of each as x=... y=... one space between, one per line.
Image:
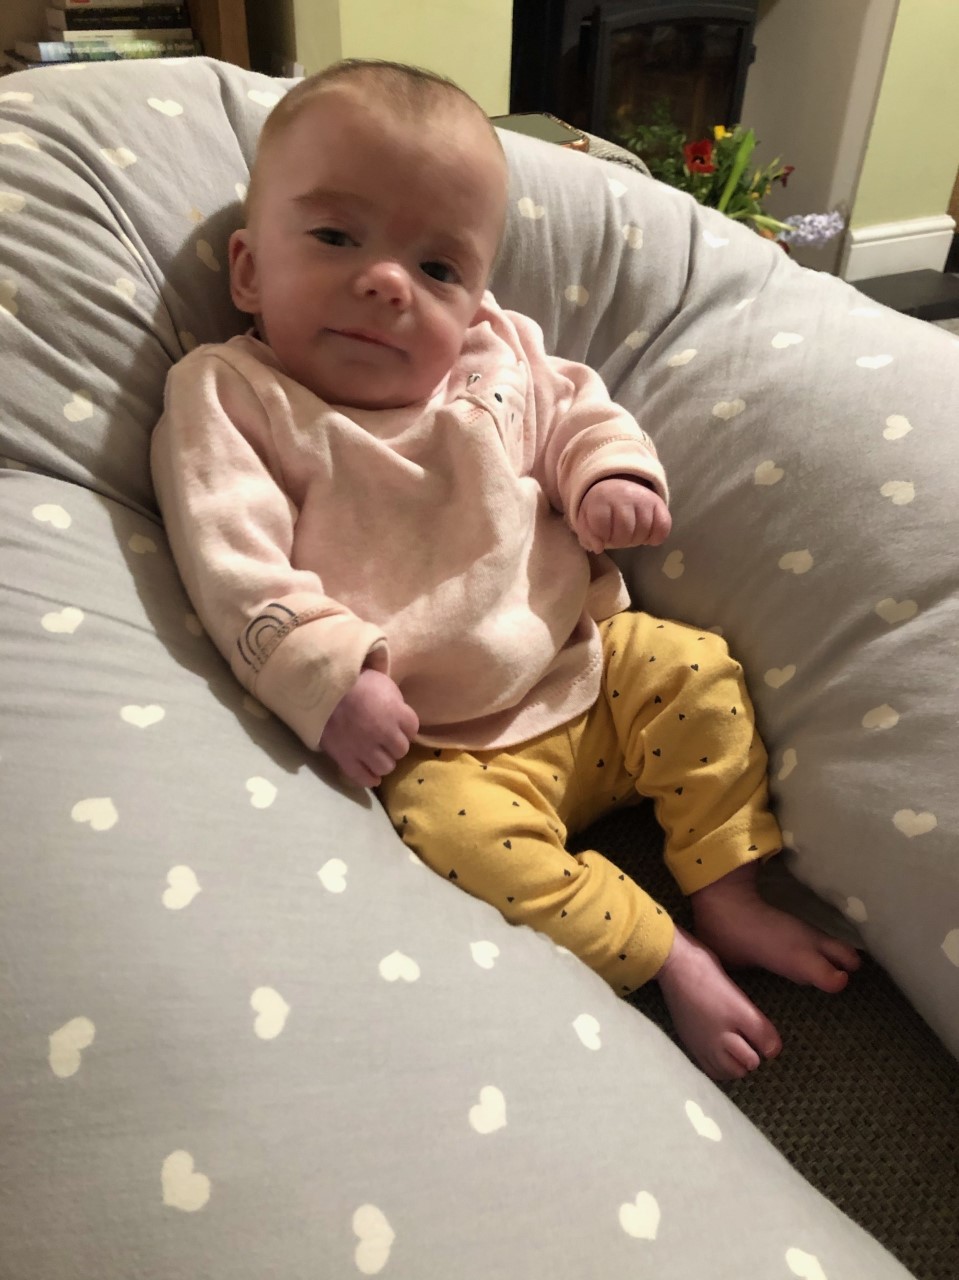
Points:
x=674 y=722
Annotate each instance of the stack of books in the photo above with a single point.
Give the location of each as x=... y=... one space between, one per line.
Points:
x=107 y=30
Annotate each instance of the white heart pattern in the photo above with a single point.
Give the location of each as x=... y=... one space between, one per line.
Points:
x=530 y=209
x=141 y=545
x=79 y=408
x=63 y=623
x=142 y=717
x=900 y=492
x=796 y=562
x=396 y=965
x=704 y=1125
x=855 y=910
x=884 y=717
x=183 y=1188
x=122 y=157
x=262 y=792
x=19 y=140
x=204 y=251
x=8 y=293
x=165 y=106
x=641 y=1218
x=99 y=811
x=183 y=887
x=376 y=1237
x=728 y=409
x=587 y=1028
x=896 y=427
x=682 y=357
x=125 y=287
x=776 y=677
x=914 y=824
x=768 y=473
x=332 y=875
x=950 y=947
x=616 y=188
x=893 y=611
x=52 y=513
x=11 y=202
x=271 y=1010
x=577 y=295
x=673 y=566
x=484 y=954
x=874 y=362
x=489 y=1114
x=636 y=339
x=67 y=1044
x=790 y=760
x=262 y=98
x=633 y=236
x=714 y=241
x=804 y=1265
x=784 y=340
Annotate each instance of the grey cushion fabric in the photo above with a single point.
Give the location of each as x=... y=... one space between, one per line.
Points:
x=810 y=439
x=244 y=1034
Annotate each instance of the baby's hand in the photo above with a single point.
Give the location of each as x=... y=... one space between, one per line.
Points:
x=622 y=513
x=370 y=729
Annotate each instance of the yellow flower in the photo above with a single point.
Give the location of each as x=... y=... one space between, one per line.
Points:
x=719 y=132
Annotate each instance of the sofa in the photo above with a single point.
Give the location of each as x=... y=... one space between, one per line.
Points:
x=244 y=1032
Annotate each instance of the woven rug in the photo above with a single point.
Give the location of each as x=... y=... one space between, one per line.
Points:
x=864 y=1099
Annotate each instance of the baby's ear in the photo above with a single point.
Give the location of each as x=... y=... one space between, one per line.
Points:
x=244 y=283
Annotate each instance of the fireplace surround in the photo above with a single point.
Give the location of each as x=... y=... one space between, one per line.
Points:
x=597 y=65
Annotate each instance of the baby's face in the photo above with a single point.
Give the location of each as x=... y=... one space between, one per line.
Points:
x=370 y=246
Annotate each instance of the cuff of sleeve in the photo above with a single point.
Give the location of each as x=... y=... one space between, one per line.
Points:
x=315 y=665
x=613 y=459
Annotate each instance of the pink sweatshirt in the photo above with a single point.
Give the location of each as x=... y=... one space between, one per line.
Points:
x=434 y=542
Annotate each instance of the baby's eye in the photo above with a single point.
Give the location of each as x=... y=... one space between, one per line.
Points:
x=333 y=236
x=440 y=271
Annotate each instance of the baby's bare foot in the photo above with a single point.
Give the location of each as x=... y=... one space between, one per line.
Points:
x=743 y=929
x=718 y=1024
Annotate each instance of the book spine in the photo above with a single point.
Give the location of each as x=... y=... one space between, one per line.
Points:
x=106 y=50
x=73 y=6
x=77 y=20
x=124 y=33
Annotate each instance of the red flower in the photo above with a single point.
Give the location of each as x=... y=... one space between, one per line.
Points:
x=790 y=168
x=699 y=156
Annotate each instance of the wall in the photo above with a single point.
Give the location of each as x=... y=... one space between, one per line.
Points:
x=914 y=146
x=468 y=40
x=811 y=95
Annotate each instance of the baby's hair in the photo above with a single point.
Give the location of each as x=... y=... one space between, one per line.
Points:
x=410 y=90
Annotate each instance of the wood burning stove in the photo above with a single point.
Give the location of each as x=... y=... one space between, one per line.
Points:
x=600 y=66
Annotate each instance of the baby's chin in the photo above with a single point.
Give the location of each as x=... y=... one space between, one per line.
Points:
x=356 y=392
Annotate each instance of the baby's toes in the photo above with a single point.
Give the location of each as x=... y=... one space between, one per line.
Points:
x=841 y=954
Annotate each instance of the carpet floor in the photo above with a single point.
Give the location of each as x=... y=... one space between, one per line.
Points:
x=864 y=1099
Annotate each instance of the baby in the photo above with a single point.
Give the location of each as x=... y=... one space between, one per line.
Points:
x=390 y=508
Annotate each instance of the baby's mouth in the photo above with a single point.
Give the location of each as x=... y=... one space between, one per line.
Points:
x=368 y=336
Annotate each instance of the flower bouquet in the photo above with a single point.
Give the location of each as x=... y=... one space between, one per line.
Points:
x=716 y=172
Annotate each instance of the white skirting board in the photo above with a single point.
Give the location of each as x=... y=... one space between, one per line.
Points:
x=890 y=248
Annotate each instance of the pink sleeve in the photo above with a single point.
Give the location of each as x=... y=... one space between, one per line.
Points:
x=230 y=527
x=580 y=434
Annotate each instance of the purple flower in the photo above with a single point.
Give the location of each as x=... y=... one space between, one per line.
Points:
x=812 y=228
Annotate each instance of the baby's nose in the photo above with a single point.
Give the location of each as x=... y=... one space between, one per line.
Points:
x=387 y=280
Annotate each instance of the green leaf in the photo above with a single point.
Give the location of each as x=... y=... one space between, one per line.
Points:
x=739 y=166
